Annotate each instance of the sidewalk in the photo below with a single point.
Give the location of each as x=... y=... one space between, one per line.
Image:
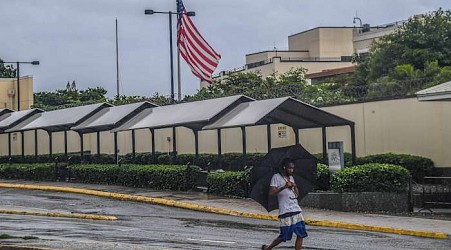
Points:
x=433 y=228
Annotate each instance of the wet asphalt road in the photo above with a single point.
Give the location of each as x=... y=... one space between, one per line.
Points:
x=145 y=226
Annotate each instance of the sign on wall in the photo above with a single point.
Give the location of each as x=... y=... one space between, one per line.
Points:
x=282 y=132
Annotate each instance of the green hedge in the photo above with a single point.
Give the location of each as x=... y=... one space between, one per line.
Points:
x=229 y=183
x=229 y=161
x=418 y=166
x=172 y=177
x=322 y=177
x=36 y=172
x=371 y=178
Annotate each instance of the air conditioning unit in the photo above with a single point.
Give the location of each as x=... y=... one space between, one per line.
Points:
x=11 y=92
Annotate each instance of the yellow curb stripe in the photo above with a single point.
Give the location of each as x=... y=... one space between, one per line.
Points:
x=196 y=207
x=63 y=215
x=337 y=224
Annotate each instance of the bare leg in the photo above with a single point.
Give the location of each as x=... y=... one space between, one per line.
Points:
x=298 y=245
x=274 y=243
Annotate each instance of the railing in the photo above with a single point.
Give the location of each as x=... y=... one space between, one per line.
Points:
x=436 y=193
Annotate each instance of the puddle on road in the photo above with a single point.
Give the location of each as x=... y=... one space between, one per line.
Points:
x=226 y=224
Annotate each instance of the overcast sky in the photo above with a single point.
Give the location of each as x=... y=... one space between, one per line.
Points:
x=75 y=39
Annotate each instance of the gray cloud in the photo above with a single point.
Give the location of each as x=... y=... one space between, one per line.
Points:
x=74 y=39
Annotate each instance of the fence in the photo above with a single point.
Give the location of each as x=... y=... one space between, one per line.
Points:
x=436 y=193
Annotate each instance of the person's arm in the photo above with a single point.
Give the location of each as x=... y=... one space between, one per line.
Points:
x=276 y=190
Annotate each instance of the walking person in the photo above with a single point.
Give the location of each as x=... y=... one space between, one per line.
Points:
x=290 y=213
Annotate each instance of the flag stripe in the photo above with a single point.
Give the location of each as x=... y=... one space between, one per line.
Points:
x=194 y=49
x=199 y=57
x=197 y=37
x=193 y=65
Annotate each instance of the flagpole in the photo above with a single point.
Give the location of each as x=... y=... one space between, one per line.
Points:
x=117 y=62
x=179 y=79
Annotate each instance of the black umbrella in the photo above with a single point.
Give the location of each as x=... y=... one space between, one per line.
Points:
x=304 y=174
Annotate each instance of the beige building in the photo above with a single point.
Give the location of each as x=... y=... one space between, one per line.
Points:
x=317 y=50
x=9 y=95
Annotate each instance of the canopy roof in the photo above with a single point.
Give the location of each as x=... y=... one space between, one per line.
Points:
x=59 y=120
x=4 y=111
x=10 y=120
x=436 y=93
x=286 y=110
x=111 y=117
x=192 y=115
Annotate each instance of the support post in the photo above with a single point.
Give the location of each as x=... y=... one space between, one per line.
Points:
x=36 y=144
x=65 y=144
x=296 y=136
x=196 y=144
x=98 y=143
x=243 y=134
x=268 y=136
x=81 y=147
x=174 y=145
x=50 y=144
x=354 y=156
x=219 y=148
x=324 y=134
x=133 y=145
x=152 y=131
x=22 y=138
x=116 y=155
x=9 y=146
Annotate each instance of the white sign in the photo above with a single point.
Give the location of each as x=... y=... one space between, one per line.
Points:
x=334 y=159
x=282 y=131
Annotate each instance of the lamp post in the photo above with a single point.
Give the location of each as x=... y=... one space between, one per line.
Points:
x=170 y=13
x=18 y=78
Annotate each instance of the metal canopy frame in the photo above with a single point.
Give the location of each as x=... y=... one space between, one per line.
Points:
x=11 y=119
x=56 y=121
x=286 y=110
x=110 y=118
x=191 y=115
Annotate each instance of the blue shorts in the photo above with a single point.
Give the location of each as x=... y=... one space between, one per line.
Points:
x=292 y=224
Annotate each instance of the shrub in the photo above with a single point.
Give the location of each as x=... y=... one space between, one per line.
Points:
x=322 y=177
x=37 y=172
x=418 y=166
x=371 y=178
x=229 y=183
x=172 y=177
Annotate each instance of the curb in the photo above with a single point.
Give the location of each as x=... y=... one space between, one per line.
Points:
x=61 y=215
x=196 y=207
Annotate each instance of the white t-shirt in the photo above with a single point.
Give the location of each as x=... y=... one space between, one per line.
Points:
x=286 y=198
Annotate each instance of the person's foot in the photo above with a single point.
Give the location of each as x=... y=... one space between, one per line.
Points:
x=263 y=247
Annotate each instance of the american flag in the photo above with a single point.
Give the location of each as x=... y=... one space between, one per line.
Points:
x=200 y=56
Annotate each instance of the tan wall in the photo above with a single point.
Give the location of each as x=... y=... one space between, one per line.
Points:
x=26 y=93
x=336 y=42
x=323 y=42
x=399 y=126
x=309 y=40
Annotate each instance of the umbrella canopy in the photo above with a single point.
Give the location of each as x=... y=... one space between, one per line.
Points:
x=304 y=174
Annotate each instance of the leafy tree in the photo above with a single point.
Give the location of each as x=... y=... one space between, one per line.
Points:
x=155 y=99
x=7 y=71
x=419 y=41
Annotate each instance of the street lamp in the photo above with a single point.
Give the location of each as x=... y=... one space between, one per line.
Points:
x=18 y=78
x=170 y=13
